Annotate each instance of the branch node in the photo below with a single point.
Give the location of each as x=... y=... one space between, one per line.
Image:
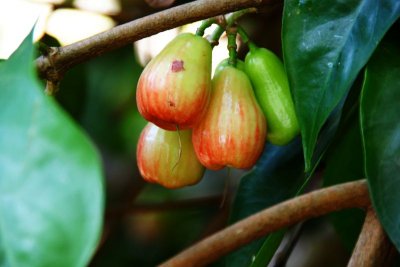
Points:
x=52 y=87
x=221 y=21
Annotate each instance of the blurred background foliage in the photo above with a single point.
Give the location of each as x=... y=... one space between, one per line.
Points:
x=144 y=223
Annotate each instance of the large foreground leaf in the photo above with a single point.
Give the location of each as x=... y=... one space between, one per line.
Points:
x=277 y=176
x=380 y=124
x=51 y=186
x=325 y=45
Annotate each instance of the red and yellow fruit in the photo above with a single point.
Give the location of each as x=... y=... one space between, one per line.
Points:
x=174 y=89
x=168 y=157
x=232 y=132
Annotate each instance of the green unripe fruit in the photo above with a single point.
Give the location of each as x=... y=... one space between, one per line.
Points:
x=271 y=86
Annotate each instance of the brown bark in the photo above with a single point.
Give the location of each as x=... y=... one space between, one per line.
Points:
x=373 y=248
x=54 y=65
x=314 y=204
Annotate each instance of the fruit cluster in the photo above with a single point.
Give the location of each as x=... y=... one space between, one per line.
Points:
x=196 y=122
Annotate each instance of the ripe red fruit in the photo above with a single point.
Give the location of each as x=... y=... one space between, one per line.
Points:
x=168 y=157
x=174 y=88
x=232 y=132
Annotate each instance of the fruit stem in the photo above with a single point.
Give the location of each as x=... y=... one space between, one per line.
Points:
x=233 y=17
x=245 y=38
x=243 y=34
x=232 y=32
x=216 y=34
x=252 y=46
x=204 y=25
x=225 y=22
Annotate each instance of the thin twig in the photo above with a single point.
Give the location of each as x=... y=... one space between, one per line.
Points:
x=373 y=248
x=314 y=204
x=284 y=251
x=53 y=67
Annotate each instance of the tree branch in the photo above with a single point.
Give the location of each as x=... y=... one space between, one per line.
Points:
x=373 y=248
x=314 y=204
x=52 y=67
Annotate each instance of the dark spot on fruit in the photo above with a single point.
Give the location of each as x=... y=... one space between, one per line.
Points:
x=171 y=103
x=177 y=66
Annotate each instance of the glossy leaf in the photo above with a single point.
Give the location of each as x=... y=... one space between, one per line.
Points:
x=345 y=163
x=277 y=176
x=272 y=241
x=51 y=187
x=326 y=136
x=380 y=127
x=325 y=44
x=261 y=252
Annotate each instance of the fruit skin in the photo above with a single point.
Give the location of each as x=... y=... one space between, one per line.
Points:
x=160 y=161
x=232 y=132
x=271 y=86
x=174 y=88
x=224 y=63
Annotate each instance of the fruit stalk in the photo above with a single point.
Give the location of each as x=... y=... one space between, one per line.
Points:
x=231 y=32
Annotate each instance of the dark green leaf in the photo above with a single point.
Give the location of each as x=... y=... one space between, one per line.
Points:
x=268 y=249
x=72 y=93
x=326 y=135
x=51 y=185
x=325 y=45
x=344 y=164
x=277 y=176
x=265 y=249
x=272 y=242
x=380 y=127
x=110 y=115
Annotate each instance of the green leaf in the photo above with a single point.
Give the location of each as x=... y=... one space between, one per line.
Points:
x=325 y=44
x=261 y=252
x=268 y=249
x=51 y=185
x=345 y=163
x=110 y=115
x=272 y=241
x=277 y=176
x=326 y=135
x=380 y=127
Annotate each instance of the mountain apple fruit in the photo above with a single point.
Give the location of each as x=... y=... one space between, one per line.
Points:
x=174 y=88
x=168 y=157
x=271 y=86
x=233 y=130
